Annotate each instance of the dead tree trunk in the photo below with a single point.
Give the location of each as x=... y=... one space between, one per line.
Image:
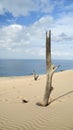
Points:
x=50 y=68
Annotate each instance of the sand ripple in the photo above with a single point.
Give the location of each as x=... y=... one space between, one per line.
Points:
x=36 y=119
x=15 y=115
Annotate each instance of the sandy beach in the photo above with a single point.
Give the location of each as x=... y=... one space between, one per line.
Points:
x=16 y=115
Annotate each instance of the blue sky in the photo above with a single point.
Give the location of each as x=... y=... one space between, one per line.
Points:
x=23 y=25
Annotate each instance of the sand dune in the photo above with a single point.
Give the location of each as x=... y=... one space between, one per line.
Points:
x=16 y=115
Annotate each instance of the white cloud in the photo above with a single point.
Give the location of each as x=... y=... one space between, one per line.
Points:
x=24 y=7
x=29 y=42
x=11 y=36
x=16 y=7
x=62 y=29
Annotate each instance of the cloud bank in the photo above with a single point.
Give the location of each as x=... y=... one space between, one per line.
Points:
x=21 y=41
x=24 y=7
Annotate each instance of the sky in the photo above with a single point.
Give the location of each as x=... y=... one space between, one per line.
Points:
x=23 y=26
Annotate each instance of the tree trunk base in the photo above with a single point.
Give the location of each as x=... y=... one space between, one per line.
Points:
x=44 y=103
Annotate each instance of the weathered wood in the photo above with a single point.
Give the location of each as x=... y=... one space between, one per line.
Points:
x=49 y=86
x=48 y=50
x=50 y=68
x=35 y=75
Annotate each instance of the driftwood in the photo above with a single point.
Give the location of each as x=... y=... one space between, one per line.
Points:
x=35 y=75
x=50 y=68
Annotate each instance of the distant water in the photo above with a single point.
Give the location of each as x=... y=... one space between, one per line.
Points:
x=26 y=67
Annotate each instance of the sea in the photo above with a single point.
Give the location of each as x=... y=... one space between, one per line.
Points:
x=25 y=67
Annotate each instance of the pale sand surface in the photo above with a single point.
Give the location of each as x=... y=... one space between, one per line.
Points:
x=15 y=115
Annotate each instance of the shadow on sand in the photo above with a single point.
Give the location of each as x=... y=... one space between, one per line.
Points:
x=65 y=94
